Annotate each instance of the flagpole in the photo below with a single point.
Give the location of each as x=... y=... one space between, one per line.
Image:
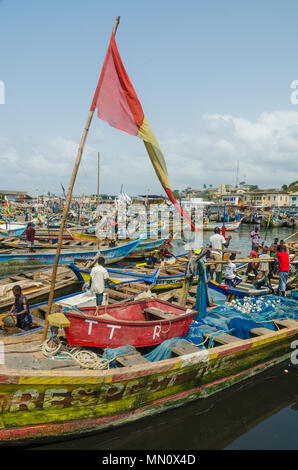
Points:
x=67 y=205
x=97 y=198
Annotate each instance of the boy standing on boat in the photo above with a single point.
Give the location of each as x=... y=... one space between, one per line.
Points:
x=30 y=234
x=98 y=276
x=217 y=241
x=231 y=277
x=20 y=309
x=264 y=271
x=255 y=237
x=284 y=268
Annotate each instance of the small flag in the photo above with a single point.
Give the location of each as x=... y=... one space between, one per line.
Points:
x=7 y=205
x=240 y=203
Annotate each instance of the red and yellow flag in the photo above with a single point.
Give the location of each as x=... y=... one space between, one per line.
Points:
x=117 y=103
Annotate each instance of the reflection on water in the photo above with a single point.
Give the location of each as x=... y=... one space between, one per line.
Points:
x=260 y=414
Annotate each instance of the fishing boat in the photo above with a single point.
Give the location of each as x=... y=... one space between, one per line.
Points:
x=111 y=255
x=42 y=400
x=12 y=230
x=144 y=248
x=169 y=277
x=163 y=277
x=230 y=226
x=35 y=285
x=140 y=323
x=241 y=290
x=50 y=403
x=16 y=243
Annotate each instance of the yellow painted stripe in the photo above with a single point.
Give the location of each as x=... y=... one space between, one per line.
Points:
x=58 y=380
x=271 y=339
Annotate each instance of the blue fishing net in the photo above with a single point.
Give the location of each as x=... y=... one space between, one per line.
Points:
x=112 y=353
x=164 y=350
x=201 y=297
x=236 y=318
x=242 y=315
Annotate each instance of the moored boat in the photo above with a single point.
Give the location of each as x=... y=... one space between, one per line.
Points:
x=139 y=323
x=12 y=230
x=43 y=403
x=111 y=255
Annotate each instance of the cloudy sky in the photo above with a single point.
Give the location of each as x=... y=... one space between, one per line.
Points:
x=214 y=79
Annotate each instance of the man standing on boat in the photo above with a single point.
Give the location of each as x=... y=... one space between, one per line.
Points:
x=284 y=268
x=30 y=234
x=255 y=236
x=20 y=309
x=98 y=276
x=217 y=241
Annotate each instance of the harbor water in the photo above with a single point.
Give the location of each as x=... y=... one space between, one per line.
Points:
x=260 y=413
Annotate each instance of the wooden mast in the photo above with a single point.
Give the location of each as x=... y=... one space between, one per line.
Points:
x=97 y=198
x=67 y=205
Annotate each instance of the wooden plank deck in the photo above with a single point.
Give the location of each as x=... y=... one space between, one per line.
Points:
x=185 y=348
x=133 y=359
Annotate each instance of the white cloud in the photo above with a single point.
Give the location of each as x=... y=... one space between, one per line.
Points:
x=204 y=153
x=266 y=149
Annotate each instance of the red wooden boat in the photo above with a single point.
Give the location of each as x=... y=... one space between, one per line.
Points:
x=140 y=323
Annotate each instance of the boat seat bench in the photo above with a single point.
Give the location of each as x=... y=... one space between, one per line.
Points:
x=158 y=313
x=134 y=359
x=286 y=323
x=184 y=348
x=224 y=338
x=261 y=331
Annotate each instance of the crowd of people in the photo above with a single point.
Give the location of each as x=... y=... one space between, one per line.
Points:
x=260 y=272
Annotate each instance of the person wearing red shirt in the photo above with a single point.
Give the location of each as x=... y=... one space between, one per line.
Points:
x=253 y=266
x=284 y=268
x=30 y=234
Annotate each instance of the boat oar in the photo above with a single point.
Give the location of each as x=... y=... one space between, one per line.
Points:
x=186 y=282
x=293 y=235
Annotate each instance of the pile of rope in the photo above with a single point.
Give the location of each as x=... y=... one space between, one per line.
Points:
x=58 y=348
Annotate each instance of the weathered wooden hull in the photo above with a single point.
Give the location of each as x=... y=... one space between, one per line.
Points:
x=35 y=285
x=12 y=230
x=112 y=255
x=143 y=249
x=238 y=290
x=162 y=283
x=57 y=404
x=229 y=226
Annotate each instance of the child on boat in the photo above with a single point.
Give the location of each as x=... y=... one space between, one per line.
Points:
x=264 y=273
x=20 y=309
x=231 y=277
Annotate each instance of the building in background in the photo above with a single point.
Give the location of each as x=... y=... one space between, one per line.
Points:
x=15 y=196
x=266 y=198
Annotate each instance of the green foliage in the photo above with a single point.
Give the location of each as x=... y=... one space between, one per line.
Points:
x=176 y=194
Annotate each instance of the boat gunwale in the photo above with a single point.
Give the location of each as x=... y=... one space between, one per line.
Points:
x=7 y=375
x=111 y=320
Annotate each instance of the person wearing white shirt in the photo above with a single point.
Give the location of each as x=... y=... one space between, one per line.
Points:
x=217 y=241
x=231 y=277
x=98 y=276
